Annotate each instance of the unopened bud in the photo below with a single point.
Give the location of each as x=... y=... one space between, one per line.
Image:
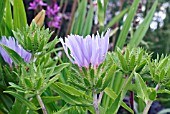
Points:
x=39 y=18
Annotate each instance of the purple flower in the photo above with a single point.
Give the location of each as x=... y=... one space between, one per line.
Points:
x=88 y=50
x=12 y=44
x=55 y=22
x=52 y=10
x=34 y=5
x=54 y=19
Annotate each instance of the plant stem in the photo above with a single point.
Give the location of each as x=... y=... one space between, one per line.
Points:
x=149 y=103
x=100 y=97
x=132 y=98
x=41 y=104
x=95 y=103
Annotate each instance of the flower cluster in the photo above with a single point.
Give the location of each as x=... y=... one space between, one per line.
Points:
x=88 y=50
x=34 y=5
x=51 y=12
x=53 y=17
x=12 y=44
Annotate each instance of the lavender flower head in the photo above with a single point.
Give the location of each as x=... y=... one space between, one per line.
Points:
x=12 y=44
x=34 y=5
x=54 y=19
x=85 y=51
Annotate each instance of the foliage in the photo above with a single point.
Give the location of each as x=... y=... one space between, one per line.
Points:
x=48 y=84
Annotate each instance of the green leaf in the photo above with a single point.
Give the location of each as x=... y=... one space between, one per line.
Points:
x=39 y=83
x=116 y=19
x=49 y=99
x=13 y=55
x=22 y=99
x=2 y=9
x=163 y=63
x=79 y=18
x=125 y=106
x=63 y=110
x=20 y=19
x=132 y=62
x=141 y=88
x=114 y=106
x=141 y=66
x=21 y=110
x=123 y=62
x=140 y=57
x=60 y=67
x=110 y=93
x=100 y=13
x=113 y=95
x=6 y=100
x=127 y=24
x=164 y=91
x=92 y=74
x=8 y=19
x=89 y=20
x=143 y=27
x=162 y=75
x=13 y=85
x=70 y=89
x=28 y=83
x=51 y=81
x=74 y=98
x=152 y=94
x=109 y=76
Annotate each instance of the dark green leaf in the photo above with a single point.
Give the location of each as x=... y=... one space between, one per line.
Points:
x=2 y=9
x=22 y=99
x=88 y=24
x=8 y=19
x=127 y=24
x=123 y=62
x=143 y=27
x=28 y=83
x=20 y=19
x=49 y=99
x=141 y=88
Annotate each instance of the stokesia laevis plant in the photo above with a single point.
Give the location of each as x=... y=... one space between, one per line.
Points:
x=85 y=51
x=89 y=52
x=13 y=44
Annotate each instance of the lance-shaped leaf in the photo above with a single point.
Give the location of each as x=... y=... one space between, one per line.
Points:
x=71 y=95
x=141 y=88
x=2 y=8
x=113 y=96
x=143 y=27
x=20 y=19
x=22 y=99
x=127 y=24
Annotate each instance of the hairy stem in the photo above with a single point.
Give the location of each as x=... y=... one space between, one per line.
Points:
x=95 y=103
x=41 y=104
x=149 y=103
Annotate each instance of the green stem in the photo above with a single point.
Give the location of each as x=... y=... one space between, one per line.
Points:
x=149 y=103
x=41 y=104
